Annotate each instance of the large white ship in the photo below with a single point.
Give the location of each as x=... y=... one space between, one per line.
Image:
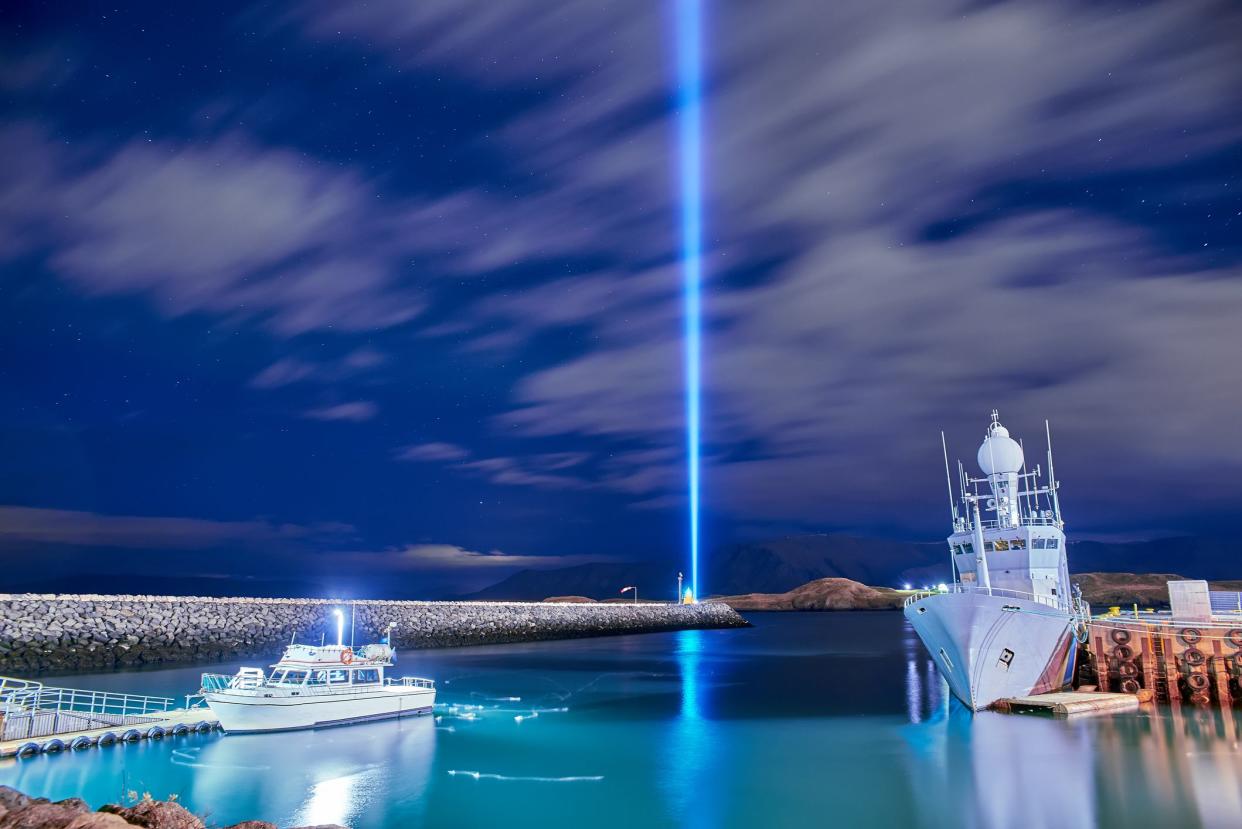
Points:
x=1006 y=626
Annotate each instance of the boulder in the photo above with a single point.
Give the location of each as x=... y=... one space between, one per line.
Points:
x=40 y=814
x=99 y=820
x=157 y=814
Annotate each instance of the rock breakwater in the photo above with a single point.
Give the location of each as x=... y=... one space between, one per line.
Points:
x=66 y=633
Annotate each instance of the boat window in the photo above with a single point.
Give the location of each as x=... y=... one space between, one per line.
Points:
x=1054 y=543
x=1018 y=544
x=292 y=677
x=318 y=678
x=1001 y=544
x=1038 y=543
x=366 y=676
x=338 y=676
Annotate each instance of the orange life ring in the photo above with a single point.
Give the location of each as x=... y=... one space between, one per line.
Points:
x=347 y=656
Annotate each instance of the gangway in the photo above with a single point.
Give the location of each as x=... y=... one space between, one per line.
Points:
x=35 y=717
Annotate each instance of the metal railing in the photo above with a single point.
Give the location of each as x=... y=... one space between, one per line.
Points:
x=411 y=682
x=1050 y=601
x=216 y=683
x=32 y=709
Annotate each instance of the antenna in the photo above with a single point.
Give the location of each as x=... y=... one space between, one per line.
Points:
x=948 y=481
x=1052 y=476
x=1024 y=501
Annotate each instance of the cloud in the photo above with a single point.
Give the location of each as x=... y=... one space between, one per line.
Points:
x=225 y=227
x=355 y=411
x=453 y=557
x=283 y=372
x=34 y=525
x=881 y=267
x=289 y=370
x=435 y=451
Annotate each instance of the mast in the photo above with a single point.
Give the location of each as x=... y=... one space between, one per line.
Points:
x=1052 y=478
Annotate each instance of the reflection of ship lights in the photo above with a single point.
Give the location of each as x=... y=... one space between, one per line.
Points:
x=690 y=139
x=330 y=801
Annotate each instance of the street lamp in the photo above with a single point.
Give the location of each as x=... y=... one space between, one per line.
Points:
x=679 y=578
x=340 y=626
x=625 y=590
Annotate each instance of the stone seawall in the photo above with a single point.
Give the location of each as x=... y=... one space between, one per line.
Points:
x=56 y=634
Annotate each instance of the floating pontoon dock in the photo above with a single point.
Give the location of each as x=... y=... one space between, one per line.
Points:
x=1071 y=703
x=35 y=718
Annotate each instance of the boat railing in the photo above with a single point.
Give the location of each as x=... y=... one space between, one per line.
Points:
x=32 y=709
x=215 y=683
x=411 y=682
x=1004 y=592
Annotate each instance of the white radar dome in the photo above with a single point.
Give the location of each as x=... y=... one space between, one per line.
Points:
x=1000 y=454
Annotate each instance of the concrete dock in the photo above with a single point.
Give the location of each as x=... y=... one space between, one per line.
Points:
x=1071 y=703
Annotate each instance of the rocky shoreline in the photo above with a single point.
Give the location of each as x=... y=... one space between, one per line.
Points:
x=19 y=811
x=64 y=633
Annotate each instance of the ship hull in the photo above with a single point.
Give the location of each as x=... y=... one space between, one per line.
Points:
x=990 y=647
x=242 y=712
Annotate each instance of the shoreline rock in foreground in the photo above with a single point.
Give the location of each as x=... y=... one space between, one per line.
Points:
x=20 y=810
x=66 y=633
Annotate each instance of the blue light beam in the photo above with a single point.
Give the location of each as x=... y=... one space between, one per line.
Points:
x=690 y=146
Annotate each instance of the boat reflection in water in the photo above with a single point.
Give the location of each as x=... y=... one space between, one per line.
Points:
x=308 y=778
x=1165 y=766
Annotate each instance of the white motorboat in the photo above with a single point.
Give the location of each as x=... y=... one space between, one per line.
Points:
x=316 y=686
x=1006 y=627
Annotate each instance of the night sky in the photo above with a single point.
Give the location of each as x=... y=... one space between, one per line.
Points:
x=391 y=289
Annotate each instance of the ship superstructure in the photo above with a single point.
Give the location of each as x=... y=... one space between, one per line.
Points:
x=1006 y=625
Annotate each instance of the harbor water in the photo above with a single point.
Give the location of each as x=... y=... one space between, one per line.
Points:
x=804 y=719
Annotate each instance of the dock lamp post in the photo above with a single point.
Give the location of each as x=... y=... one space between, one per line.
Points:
x=625 y=590
x=340 y=626
x=679 y=578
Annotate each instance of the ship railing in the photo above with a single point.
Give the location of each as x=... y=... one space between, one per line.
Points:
x=32 y=709
x=1004 y=592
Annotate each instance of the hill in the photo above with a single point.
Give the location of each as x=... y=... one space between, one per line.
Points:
x=821 y=594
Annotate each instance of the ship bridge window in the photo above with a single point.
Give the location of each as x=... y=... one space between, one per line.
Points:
x=1038 y=543
x=1001 y=545
x=1018 y=544
x=1054 y=543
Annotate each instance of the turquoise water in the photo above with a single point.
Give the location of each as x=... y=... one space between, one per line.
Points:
x=802 y=720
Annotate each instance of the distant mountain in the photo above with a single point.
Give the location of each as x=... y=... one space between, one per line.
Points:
x=783 y=564
x=216 y=586
x=773 y=566
x=596 y=581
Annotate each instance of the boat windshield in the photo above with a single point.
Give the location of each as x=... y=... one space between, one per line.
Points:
x=288 y=677
x=334 y=676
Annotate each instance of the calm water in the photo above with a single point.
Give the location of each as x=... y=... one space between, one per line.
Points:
x=805 y=719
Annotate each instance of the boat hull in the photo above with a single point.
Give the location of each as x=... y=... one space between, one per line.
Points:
x=242 y=713
x=990 y=647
